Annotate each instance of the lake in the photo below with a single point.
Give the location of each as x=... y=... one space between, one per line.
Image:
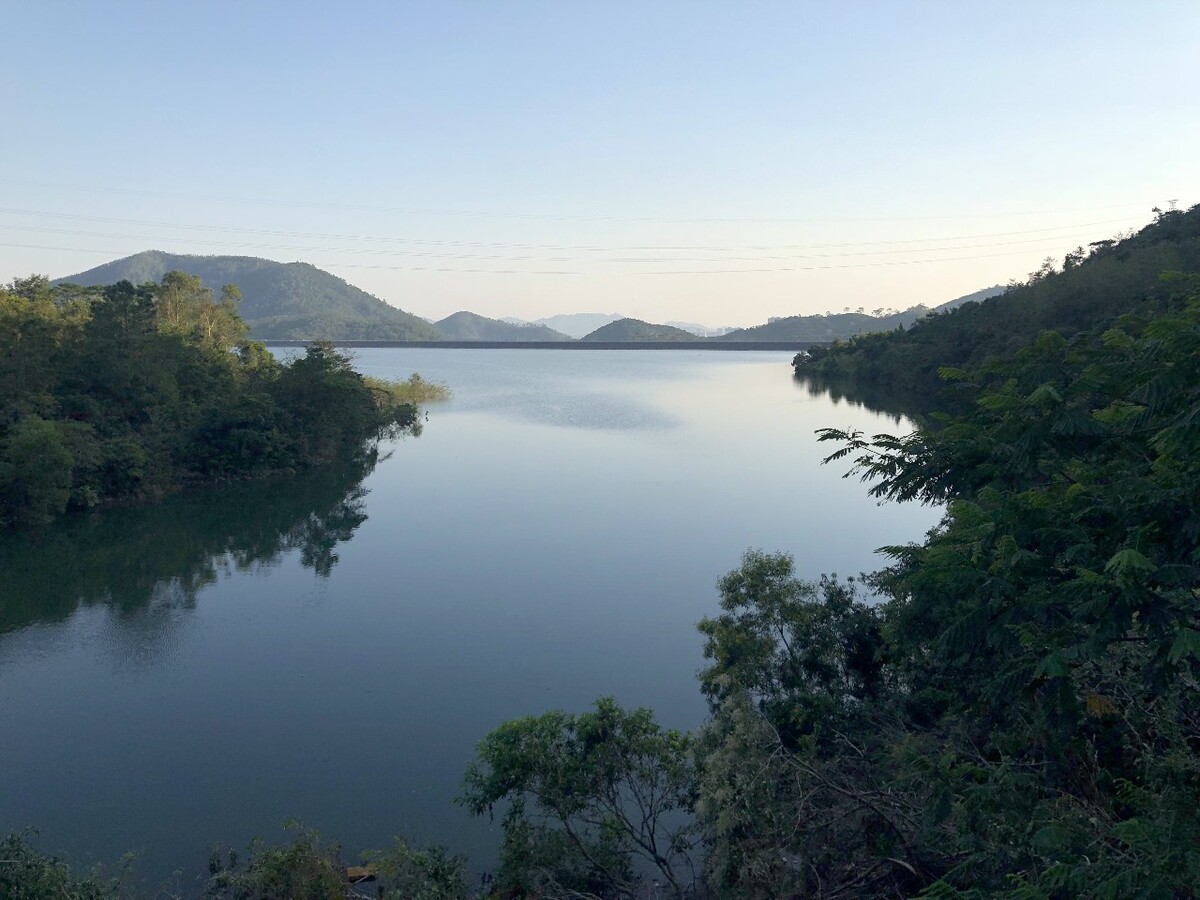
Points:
x=330 y=647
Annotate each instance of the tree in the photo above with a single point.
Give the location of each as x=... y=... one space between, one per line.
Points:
x=807 y=653
x=26 y=874
x=588 y=795
x=35 y=473
x=798 y=792
x=186 y=307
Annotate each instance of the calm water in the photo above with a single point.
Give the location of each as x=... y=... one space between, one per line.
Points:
x=330 y=647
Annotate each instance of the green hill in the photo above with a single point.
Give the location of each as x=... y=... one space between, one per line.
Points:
x=838 y=326
x=637 y=330
x=842 y=326
x=291 y=301
x=1091 y=289
x=469 y=326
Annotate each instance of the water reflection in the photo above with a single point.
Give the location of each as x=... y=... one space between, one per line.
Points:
x=872 y=398
x=154 y=560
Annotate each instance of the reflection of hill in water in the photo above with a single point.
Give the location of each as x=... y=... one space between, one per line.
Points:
x=872 y=398
x=159 y=557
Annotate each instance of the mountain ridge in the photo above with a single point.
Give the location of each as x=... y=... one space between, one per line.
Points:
x=468 y=326
x=637 y=330
x=288 y=301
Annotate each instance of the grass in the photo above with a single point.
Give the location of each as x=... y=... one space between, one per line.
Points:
x=416 y=390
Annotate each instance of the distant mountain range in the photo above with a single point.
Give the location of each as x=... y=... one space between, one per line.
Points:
x=298 y=301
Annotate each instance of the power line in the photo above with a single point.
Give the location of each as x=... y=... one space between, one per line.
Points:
x=461 y=271
x=406 y=210
x=532 y=258
x=528 y=246
x=871 y=265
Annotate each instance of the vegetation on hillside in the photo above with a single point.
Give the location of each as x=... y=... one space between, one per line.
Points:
x=1091 y=289
x=469 y=326
x=833 y=326
x=126 y=392
x=637 y=330
x=280 y=301
x=830 y=327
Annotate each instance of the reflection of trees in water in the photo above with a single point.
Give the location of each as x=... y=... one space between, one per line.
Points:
x=153 y=561
x=872 y=398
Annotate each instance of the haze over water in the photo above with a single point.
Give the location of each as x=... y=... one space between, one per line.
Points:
x=312 y=648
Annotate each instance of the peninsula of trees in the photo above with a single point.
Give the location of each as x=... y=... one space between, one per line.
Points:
x=125 y=392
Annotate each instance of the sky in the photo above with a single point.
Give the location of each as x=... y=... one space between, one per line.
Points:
x=716 y=163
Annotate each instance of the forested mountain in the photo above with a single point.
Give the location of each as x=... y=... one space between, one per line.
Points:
x=292 y=301
x=1091 y=288
x=469 y=326
x=841 y=326
x=823 y=328
x=637 y=330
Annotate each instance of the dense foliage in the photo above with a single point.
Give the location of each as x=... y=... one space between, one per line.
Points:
x=588 y=798
x=1088 y=291
x=637 y=330
x=126 y=392
x=26 y=874
x=306 y=868
x=469 y=326
x=283 y=301
x=311 y=869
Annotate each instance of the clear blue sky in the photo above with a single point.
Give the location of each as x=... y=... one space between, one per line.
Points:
x=714 y=163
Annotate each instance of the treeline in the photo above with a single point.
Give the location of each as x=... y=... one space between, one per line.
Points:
x=125 y=392
x=1091 y=288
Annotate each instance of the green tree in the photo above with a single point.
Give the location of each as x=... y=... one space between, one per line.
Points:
x=35 y=473
x=808 y=653
x=587 y=795
x=26 y=874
